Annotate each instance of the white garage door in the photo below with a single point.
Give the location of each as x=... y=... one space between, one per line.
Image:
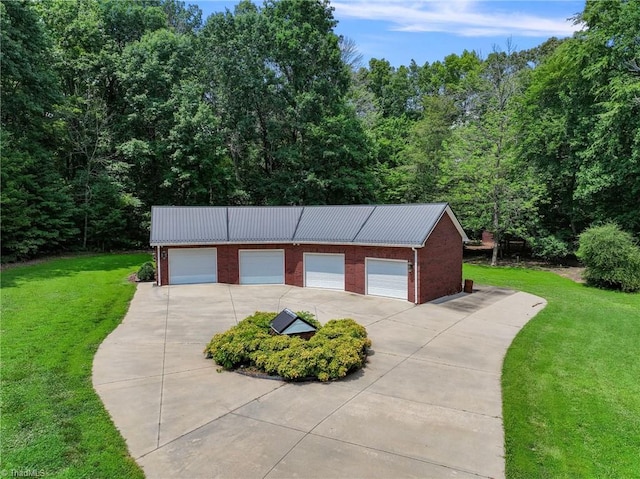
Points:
x=324 y=271
x=262 y=266
x=193 y=265
x=387 y=278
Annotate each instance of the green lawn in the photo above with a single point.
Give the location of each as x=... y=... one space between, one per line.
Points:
x=571 y=380
x=54 y=317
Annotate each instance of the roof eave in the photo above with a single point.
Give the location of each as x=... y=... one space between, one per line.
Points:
x=185 y=243
x=456 y=223
x=291 y=242
x=448 y=211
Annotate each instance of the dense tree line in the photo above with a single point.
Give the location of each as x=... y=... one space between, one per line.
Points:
x=111 y=106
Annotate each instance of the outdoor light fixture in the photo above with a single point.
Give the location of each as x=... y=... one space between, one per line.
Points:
x=410 y=265
x=163 y=254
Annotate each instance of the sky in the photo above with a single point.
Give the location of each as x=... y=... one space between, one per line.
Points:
x=427 y=31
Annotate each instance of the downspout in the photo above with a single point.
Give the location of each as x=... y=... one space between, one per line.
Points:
x=158 y=263
x=416 y=270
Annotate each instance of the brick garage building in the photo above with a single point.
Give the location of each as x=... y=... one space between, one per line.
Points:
x=411 y=252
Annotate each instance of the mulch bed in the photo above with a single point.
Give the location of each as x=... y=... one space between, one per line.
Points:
x=257 y=373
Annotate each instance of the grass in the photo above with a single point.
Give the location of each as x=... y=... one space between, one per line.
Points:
x=54 y=317
x=571 y=380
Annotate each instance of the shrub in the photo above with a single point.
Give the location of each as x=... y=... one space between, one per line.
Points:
x=147 y=272
x=549 y=248
x=611 y=258
x=231 y=349
x=336 y=349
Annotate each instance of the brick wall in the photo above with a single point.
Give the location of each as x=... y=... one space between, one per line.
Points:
x=163 y=265
x=229 y=267
x=354 y=268
x=440 y=262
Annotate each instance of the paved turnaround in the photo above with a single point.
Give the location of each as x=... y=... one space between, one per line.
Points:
x=427 y=404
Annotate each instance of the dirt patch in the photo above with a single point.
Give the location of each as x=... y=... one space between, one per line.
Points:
x=574 y=273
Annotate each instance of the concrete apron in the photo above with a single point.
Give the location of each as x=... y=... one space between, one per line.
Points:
x=427 y=404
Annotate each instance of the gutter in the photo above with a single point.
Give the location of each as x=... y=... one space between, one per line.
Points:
x=416 y=274
x=158 y=263
x=284 y=241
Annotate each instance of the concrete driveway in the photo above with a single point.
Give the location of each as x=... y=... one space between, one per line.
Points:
x=427 y=404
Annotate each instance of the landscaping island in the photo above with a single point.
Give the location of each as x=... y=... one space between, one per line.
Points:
x=337 y=349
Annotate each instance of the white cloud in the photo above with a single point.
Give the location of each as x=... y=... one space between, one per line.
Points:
x=463 y=17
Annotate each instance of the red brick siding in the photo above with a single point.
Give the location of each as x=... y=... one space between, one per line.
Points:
x=354 y=258
x=163 y=265
x=440 y=262
x=229 y=267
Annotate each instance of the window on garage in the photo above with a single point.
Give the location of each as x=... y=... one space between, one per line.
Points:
x=193 y=265
x=387 y=277
x=261 y=266
x=324 y=271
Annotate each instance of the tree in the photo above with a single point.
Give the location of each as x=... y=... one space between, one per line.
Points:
x=581 y=121
x=483 y=180
x=394 y=89
x=119 y=63
x=424 y=149
x=555 y=125
x=96 y=174
x=342 y=173
x=350 y=54
x=275 y=77
x=410 y=116
x=394 y=173
x=149 y=74
x=612 y=42
x=201 y=171
x=36 y=206
x=458 y=78
x=182 y=19
x=362 y=100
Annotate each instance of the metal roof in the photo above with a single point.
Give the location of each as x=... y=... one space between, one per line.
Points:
x=188 y=225
x=263 y=223
x=400 y=224
x=391 y=225
x=332 y=224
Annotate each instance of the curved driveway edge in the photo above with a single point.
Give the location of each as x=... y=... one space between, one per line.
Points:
x=428 y=403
